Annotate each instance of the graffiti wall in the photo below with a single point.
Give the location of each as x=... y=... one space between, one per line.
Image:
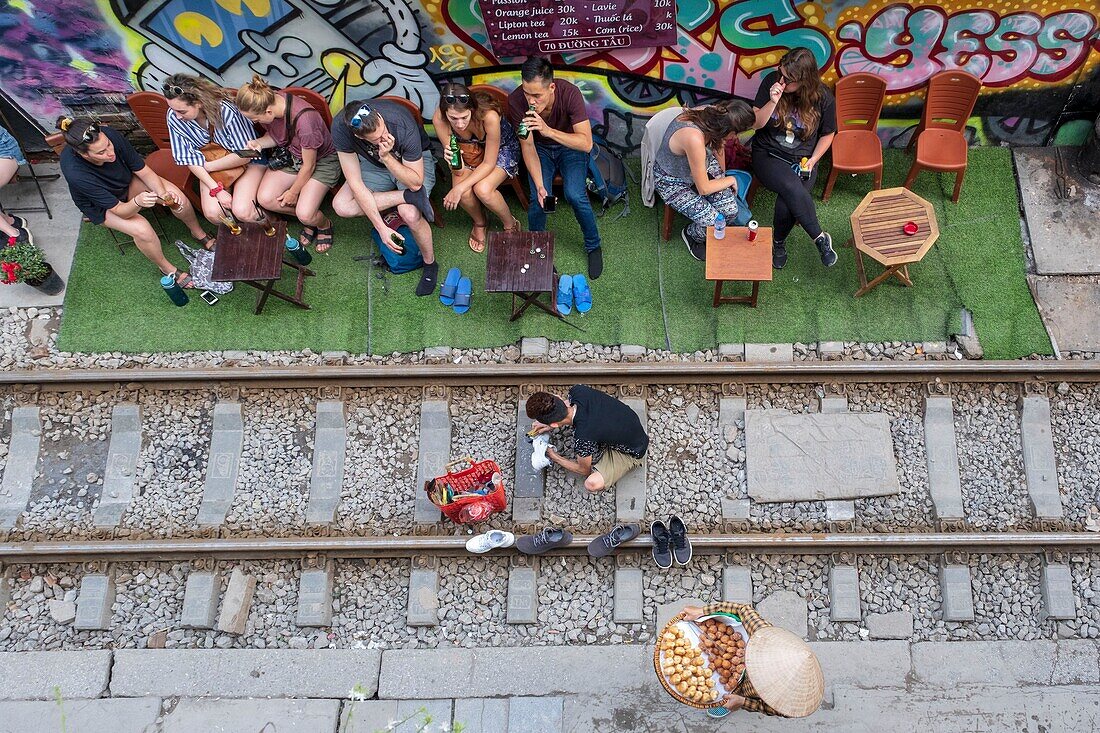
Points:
x=1038 y=63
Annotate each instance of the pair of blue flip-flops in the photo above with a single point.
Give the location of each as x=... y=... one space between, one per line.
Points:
x=573 y=292
x=456 y=291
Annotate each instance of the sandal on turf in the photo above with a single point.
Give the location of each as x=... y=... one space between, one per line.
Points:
x=450 y=286
x=462 y=296
x=207 y=242
x=324 y=239
x=308 y=236
x=514 y=229
x=183 y=279
x=582 y=294
x=478 y=245
x=565 y=295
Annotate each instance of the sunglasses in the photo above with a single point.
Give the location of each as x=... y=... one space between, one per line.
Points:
x=456 y=98
x=363 y=113
x=91 y=132
x=171 y=91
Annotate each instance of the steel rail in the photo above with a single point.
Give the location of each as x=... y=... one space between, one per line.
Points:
x=264 y=548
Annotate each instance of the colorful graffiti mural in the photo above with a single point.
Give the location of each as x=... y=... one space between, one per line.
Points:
x=1033 y=61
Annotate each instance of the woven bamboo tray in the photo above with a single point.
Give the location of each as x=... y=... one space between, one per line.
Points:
x=722 y=692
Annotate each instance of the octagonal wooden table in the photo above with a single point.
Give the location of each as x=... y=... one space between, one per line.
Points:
x=878 y=231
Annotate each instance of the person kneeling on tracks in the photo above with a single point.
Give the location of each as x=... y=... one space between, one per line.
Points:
x=608 y=439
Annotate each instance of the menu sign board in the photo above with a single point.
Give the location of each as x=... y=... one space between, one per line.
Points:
x=524 y=27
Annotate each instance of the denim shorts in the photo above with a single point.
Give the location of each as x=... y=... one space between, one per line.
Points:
x=9 y=148
x=378 y=179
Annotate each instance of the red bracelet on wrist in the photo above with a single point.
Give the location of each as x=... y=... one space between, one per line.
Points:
x=216 y=190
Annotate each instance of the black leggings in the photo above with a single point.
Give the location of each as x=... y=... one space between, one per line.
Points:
x=794 y=202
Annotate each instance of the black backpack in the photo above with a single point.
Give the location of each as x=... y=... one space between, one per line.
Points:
x=607 y=177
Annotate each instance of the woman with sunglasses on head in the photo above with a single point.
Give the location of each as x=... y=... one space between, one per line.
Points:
x=796 y=120
x=206 y=131
x=689 y=168
x=488 y=156
x=292 y=124
x=111 y=185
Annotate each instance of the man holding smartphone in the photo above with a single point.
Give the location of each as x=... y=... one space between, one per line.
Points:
x=558 y=140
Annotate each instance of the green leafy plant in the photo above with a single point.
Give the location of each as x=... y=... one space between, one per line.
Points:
x=423 y=719
x=22 y=261
x=60 y=706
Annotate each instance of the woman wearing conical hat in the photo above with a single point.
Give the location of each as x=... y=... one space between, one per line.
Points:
x=782 y=676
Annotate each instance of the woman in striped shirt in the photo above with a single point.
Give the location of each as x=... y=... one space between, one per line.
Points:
x=194 y=124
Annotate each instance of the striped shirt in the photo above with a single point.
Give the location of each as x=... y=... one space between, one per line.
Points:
x=752 y=622
x=188 y=136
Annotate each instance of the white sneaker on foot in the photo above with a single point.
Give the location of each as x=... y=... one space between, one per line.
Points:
x=539 y=460
x=490 y=540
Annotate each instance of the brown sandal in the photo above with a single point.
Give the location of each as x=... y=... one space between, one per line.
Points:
x=514 y=229
x=207 y=242
x=324 y=239
x=478 y=245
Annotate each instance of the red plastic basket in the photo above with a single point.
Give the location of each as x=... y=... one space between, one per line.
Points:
x=464 y=507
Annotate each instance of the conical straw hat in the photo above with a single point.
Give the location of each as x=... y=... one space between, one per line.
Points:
x=784 y=671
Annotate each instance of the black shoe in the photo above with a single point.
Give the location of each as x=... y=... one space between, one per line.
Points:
x=595 y=263
x=779 y=255
x=548 y=539
x=824 y=244
x=696 y=249
x=426 y=286
x=419 y=199
x=681 y=545
x=662 y=555
x=607 y=543
x=18 y=222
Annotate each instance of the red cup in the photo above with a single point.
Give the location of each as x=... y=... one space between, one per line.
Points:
x=753 y=226
x=910 y=228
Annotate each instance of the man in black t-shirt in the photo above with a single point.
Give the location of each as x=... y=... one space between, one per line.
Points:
x=111 y=185
x=608 y=439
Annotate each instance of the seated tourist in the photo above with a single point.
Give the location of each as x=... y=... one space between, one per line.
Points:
x=298 y=188
x=608 y=439
x=689 y=168
x=558 y=140
x=387 y=162
x=796 y=118
x=111 y=185
x=206 y=131
x=11 y=157
x=488 y=154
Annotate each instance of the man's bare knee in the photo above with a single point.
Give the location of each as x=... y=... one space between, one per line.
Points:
x=594 y=482
x=346 y=208
x=409 y=213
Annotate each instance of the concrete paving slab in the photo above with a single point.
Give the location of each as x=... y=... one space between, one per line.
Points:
x=628 y=607
x=769 y=352
x=1040 y=465
x=437 y=354
x=844 y=594
x=435 y=451
x=1070 y=310
x=533 y=348
x=329 y=448
x=423 y=607
x=632 y=352
x=200 y=600
x=526 y=511
x=893 y=625
x=315 y=597
x=34 y=675
x=237 y=602
x=523 y=602
x=735 y=509
x=94 y=602
x=808 y=457
x=413 y=674
x=1052 y=222
x=22 y=463
x=788 y=610
x=948 y=664
x=542 y=714
x=730 y=410
x=630 y=491
x=863 y=664
x=956 y=592
x=121 y=715
x=419 y=716
x=737 y=583
x=225 y=460
x=832 y=404
x=57 y=236
x=368 y=716
x=236 y=673
x=250 y=716
x=119 y=475
x=944 y=482
x=827 y=350
x=481 y=715
x=530 y=483
x=1076 y=662
x=1056 y=583
x=840 y=511
x=731 y=352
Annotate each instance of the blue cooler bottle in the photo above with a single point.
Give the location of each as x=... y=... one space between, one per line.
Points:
x=175 y=292
x=297 y=251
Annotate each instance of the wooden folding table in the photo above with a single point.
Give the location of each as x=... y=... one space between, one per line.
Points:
x=878 y=230
x=258 y=260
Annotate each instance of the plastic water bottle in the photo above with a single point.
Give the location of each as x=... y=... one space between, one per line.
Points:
x=175 y=292
x=297 y=251
x=720 y=227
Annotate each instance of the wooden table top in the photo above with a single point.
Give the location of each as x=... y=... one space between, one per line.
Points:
x=508 y=252
x=877 y=226
x=251 y=255
x=734 y=257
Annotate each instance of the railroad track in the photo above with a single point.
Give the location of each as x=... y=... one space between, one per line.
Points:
x=308 y=472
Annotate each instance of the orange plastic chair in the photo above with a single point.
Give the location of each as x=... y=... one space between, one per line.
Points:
x=316 y=100
x=151 y=111
x=162 y=163
x=941 y=142
x=415 y=112
x=501 y=98
x=856 y=147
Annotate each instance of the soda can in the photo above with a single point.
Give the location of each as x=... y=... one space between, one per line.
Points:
x=753 y=226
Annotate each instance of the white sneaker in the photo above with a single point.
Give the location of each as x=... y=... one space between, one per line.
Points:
x=539 y=460
x=490 y=540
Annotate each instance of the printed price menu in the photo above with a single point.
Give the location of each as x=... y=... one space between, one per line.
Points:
x=523 y=27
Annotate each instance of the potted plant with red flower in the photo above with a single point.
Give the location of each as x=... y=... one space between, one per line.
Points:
x=24 y=262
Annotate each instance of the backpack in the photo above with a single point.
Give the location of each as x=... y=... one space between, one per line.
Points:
x=396 y=263
x=607 y=177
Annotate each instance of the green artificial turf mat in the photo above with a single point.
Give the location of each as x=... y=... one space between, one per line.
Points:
x=114 y=302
